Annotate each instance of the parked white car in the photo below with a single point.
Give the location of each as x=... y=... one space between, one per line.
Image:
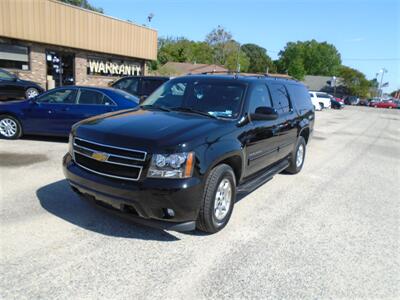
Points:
x=320 y=100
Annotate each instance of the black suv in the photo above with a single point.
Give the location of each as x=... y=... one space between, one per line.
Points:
x=179 y=160
x=11 y=87
x=139 y=86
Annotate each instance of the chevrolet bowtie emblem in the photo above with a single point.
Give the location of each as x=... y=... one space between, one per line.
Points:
x=100 y=156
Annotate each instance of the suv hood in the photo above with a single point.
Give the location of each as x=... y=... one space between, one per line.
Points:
x=145 y=129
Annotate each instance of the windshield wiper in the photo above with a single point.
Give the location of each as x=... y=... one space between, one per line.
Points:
x=195 y=111
x=150 y=106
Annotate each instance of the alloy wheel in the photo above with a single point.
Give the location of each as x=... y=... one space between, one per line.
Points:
x=31 y=92
x=8 y=127
x=223 y=198
x=300 y=156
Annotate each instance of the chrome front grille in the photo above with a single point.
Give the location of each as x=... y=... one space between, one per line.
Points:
x=107 y=160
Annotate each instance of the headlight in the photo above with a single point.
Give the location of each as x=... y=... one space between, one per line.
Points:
x=71 y=145
x=178 y=165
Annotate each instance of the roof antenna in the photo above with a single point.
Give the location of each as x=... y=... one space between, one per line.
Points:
x=237 y=62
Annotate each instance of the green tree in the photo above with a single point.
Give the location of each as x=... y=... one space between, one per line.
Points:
x=309 y=57
x=260 y=62
x=235 y=57
x=291 y=60
x=226 y=51
x=83 y=4
x=354 y=81
x=183 y=50
x=221 y=41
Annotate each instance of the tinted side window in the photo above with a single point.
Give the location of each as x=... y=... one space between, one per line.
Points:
x=60 y=96
x=280 y=98
x=88 y=97
x=131 y=85
x=149 y=86
x=259 y=97
x=5 y=75
x=299 y=96
x=322 y=95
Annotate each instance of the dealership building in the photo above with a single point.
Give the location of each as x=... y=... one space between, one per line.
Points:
x=56 y=44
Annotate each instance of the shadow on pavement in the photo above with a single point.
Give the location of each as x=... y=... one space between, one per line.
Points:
x=51 y=139
x=58 y=199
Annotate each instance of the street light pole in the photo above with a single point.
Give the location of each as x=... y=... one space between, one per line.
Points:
x=383 y=71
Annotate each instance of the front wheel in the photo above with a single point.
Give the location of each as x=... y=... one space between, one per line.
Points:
x=218 y=199
x=10 y=128
x=297 y=157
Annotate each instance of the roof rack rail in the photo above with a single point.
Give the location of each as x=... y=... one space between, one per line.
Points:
x=236 y=74
x=258 y=75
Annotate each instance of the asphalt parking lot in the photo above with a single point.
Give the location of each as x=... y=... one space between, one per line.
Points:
x=331 y=231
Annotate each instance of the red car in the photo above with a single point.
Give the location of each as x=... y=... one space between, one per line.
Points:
x=386 y=104
x=339 y=100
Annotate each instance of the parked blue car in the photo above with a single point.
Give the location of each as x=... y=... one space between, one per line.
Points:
x=54 y=112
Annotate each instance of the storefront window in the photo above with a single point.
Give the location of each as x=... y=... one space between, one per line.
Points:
x=14 y=57
x=112 y=67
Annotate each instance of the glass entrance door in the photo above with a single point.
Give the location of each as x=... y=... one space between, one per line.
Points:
x=60 y=67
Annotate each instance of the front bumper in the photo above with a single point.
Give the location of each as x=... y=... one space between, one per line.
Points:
x=146 y=200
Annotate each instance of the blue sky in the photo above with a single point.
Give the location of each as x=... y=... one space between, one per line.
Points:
x=366 y=33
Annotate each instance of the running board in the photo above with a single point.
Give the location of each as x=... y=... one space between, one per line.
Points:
x=252 y=184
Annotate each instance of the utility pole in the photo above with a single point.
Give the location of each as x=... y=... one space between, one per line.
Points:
x=334 y=85
x=382 y=71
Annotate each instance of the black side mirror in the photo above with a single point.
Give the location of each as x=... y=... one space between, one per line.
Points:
x=33 y=100
x=265 y=114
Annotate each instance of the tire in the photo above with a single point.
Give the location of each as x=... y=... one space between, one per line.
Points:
x=10 y=127
x=296 y=165
x=212 y=217
x=31 y=92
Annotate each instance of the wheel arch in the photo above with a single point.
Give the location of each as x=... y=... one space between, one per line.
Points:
x=234 y=159
x=305 y=133
x=15 y=116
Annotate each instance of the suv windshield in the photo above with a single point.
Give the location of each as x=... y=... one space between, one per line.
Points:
x=218 y=99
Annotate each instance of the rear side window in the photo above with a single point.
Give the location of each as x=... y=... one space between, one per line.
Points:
x=299 y=96
x=87 y=97
x=149 y=86
x=280 y=98
x=322 y=95
x=259 y=97
x=130 y=85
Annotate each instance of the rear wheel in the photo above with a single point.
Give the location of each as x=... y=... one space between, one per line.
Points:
x=31 y=92
x=297 y=157
x=218 y=199
x=10 y=128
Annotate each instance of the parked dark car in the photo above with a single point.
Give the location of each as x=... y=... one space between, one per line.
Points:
x=351 y=100
x=11 y=87
x=139 y=86
x=178 y=161
x=54 y=112
x=336 y=104
x=363 y=102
